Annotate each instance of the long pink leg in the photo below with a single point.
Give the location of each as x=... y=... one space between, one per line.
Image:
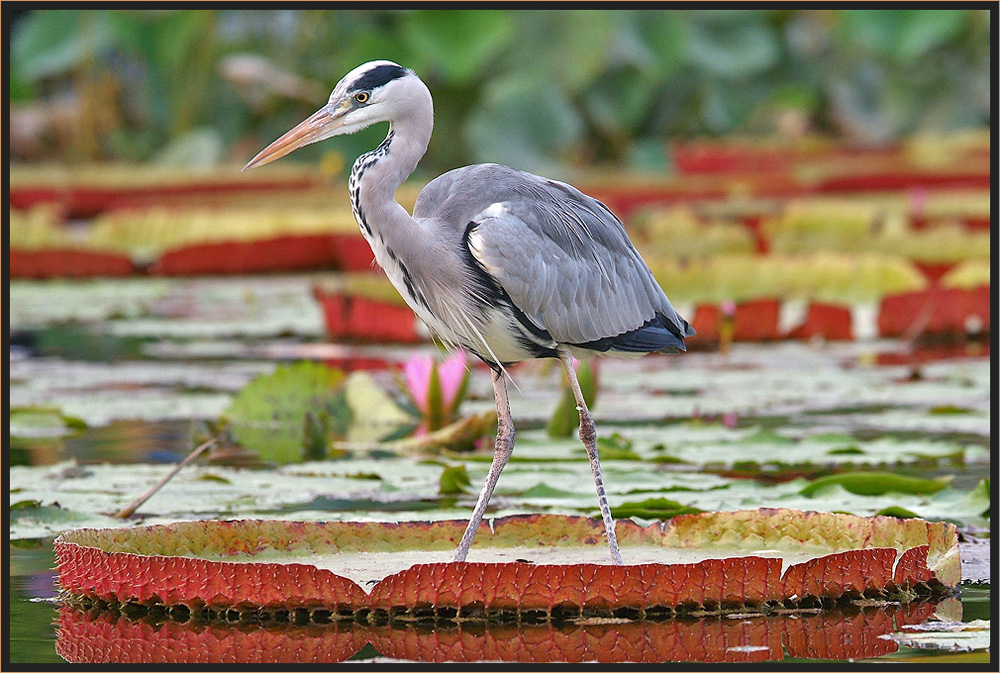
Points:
x=503 y=448
x=588 y=435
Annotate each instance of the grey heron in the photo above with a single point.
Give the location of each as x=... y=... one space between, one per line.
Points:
x=509 y=265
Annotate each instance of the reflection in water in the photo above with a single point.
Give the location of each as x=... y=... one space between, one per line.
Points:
x=105 y=637
x=120 y=442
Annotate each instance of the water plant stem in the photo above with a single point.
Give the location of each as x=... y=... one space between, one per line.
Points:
x=128 y=511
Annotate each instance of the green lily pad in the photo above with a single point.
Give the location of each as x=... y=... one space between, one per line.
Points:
x=877 y=483
x=546 y=491
x=653 y=508
x=43 y=421
x=897 y=512
x=32 y=519
x=455 y=479
x=269 y=415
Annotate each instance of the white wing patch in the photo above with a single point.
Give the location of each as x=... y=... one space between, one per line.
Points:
x=494 y=210
x=476 y=243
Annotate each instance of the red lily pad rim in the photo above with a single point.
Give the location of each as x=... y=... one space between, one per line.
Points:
x=159 y=565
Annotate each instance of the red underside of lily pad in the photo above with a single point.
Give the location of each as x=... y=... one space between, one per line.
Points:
x=68 y=263
x=745 y=559
x=91 y=637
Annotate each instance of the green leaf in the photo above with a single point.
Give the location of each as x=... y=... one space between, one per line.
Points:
x=459 y=44
x=668 y=459
x=546 y=491
x=877 y=483
x=846 y=451
x=526 y=122
x=897 y=512
x=666 y=35
x=872 y=30
x=565 y=417
x=832 y=437
x=268 y=415
x=764 y=436
x=31 y=519
x=566 y=49
x=616 y=447
x=315 y=436
x=54 y=42
x=435 y=399
x=26 y=504
x=927 y=29
x=652 y=508
x=733 y=50
x=455 y=480
x=42 y=421
x=949 y=410
x=979 y=499
x=619 y=101
x=214 y=477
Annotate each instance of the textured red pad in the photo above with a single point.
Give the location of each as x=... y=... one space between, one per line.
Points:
x=160 y=565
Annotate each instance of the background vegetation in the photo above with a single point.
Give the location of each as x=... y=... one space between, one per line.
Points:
x=536 y=89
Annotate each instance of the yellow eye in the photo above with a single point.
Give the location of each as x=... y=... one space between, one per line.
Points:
x=362 y=97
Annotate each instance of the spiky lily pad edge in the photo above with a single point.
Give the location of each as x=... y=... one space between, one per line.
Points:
x=869 y=558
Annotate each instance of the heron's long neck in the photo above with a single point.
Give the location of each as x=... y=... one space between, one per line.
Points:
x=377 y=174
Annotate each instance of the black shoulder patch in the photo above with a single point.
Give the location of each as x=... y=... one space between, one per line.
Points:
x=378 y=76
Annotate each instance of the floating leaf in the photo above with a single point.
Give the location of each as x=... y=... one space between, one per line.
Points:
x=949 y=410
x=846 y=451
x=546 y=491
x=34 y=520
x=616 y=447
x=715 y=562
x=214 y=477
x=26 y=504
x=765 y=436
x=455 y=480
x=877 y=483
x=269 y=414
x=897 y=512
x=653 y=508
x=42 y=422
x=979 y=500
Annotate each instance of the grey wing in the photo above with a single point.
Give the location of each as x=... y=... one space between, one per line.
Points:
x=567 y=264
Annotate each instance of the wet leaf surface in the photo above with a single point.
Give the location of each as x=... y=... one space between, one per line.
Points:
x=947 y=636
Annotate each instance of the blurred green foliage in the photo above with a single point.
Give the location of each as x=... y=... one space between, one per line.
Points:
x=533 y=88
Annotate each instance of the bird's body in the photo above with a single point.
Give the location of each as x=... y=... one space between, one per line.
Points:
x=491 y=261
x=507 y=264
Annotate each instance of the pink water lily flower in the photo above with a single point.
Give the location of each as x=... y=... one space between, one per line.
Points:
x=436 y=389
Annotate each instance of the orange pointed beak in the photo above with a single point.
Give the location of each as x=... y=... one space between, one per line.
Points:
x=320 y=126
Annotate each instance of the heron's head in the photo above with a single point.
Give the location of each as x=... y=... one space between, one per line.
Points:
x=374 y=92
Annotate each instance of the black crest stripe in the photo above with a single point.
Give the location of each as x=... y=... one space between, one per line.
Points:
x=378 y=76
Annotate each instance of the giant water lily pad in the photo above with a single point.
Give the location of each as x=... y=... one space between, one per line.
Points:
x=539 y=564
